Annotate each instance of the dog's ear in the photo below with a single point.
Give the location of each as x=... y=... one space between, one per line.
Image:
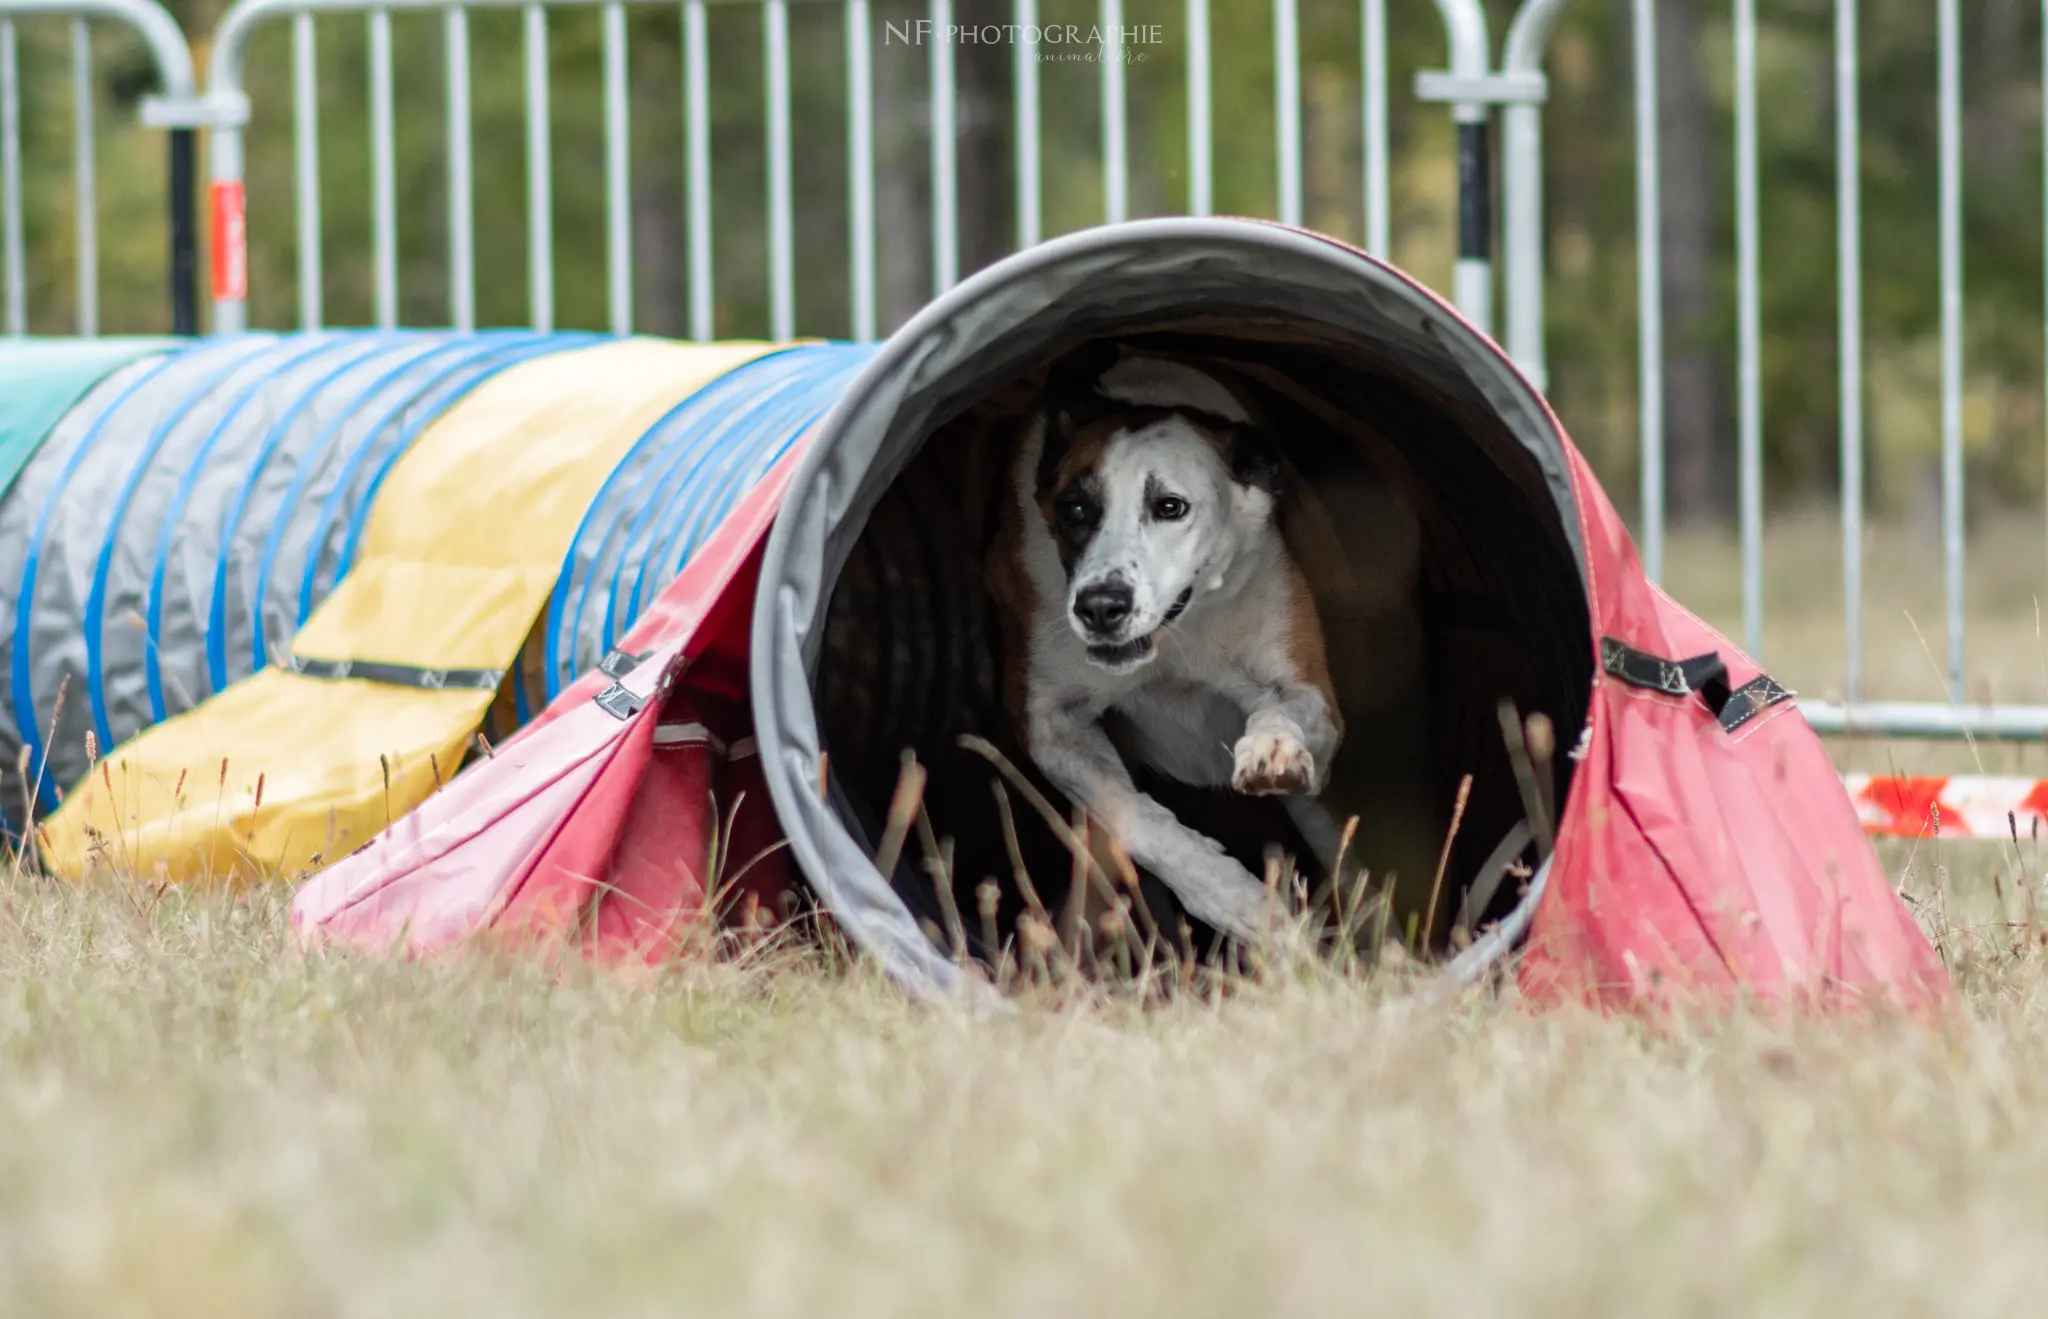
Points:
x=1254 y=458
x=1073 y=398
x=1073 y=388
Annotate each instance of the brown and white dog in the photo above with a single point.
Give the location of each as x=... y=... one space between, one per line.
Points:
x=1140 y=572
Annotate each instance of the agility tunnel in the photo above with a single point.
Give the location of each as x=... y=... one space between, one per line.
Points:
x=268 y=588
x=1688 y=833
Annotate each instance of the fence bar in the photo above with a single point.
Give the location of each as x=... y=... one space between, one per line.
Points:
x=306 y=168
x=697 y=165
x=1115 y=168
x=1749 y=373
x=461 y=189
x=945 y=188
x=618 y=176
x=86 y=191
x=540 y=201
x=1649 y=289
x=1200 y=143
x=1521 y=174
x=781 y=229
x=1287 y=107
x=1948 y=45
x=1024 y=94
x=860 y=155
x=1472 y=277
x=383 y=184
x=10 y=182
x=1849 y=317
x=1927 y=719
x=184 y=241
x=1372 y=22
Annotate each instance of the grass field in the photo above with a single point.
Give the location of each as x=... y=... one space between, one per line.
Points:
x=196 y=1120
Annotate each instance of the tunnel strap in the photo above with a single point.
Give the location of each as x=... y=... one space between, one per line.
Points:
x=1705 y=675
x=619 y=663
x=618 y=702
x=1751 y=699
x=396 y=675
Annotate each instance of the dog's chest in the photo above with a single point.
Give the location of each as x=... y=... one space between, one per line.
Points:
x=1184 y=729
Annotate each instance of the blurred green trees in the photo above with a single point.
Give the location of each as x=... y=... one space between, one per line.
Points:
x=1589 y=195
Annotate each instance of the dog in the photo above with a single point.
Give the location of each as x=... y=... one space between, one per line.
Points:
x=1144 y=589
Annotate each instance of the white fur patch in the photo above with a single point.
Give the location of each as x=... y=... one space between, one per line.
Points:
x=1156 y=382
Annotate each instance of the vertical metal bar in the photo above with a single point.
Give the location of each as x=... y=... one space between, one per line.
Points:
x=860 y=154
x=1472 y=276
x=945 y=189
x=1201 y=150
x=540 y=197
x=1649 y=289
x=1521 y=183
x=1024 y=92
x=1849 y=318
x=1287 y=107
x=306 y=168
x=1949 y=54
x=383 y=182
x=1115 y=169
x=230 y=313
x=618 y=176
x=781 y=225
x=461 y=186
x=85 y=191
x=1749 y=372
x=1373 y=60
x=10 y=183
x=697 y=165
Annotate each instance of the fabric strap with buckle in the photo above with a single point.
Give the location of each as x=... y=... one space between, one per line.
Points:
x=1703 y=675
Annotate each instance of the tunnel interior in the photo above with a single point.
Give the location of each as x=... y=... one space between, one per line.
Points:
x=1442 y=560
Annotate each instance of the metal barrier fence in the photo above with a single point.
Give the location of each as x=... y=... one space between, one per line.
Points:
x=173 y=62
x=1472 y=86
x=1469 y=86
x=1854 y=713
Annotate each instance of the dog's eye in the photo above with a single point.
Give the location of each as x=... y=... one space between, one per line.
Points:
x=1074 y=512
x=1171 y=508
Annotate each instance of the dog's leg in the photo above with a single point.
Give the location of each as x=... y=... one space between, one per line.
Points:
x=1320 y=829
x=1078 y=756
x=1289 y=741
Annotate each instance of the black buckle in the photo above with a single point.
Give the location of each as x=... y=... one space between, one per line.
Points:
x=619 y=703
x=1704 y=675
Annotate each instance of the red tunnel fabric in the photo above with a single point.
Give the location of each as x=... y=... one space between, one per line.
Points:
x=1694 y=860
x=1691 y=859
x=608 y=819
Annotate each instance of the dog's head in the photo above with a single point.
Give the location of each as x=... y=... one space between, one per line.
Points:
x=1152 y=480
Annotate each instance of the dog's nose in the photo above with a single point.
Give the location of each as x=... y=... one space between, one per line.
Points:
x=1103 y=609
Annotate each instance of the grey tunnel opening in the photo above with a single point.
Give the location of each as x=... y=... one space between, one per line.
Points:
x=1433 y=516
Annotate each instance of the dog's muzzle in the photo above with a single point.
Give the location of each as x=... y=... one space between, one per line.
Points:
x=1129 y=654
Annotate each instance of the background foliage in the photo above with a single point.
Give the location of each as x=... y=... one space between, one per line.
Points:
x=1589 y=167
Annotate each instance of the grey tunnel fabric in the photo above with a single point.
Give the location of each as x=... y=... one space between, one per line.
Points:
x=1223 y=279
x=183 y=519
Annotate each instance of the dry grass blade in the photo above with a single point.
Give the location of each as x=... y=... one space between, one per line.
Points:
x=1075 y=844
x=904 y=806
x=939 y=865
x=1443 y=860
x=1533 y=800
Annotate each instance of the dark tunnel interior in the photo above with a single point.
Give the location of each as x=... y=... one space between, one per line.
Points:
x=1444 y=578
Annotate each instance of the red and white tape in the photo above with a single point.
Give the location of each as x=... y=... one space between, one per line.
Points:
x=1953 y=806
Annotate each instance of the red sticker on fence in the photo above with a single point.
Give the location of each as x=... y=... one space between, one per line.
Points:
x=230 y=242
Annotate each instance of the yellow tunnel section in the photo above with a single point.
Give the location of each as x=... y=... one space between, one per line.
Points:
x=301 y=762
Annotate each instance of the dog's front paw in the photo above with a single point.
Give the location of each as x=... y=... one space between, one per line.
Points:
x=1270 y=764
